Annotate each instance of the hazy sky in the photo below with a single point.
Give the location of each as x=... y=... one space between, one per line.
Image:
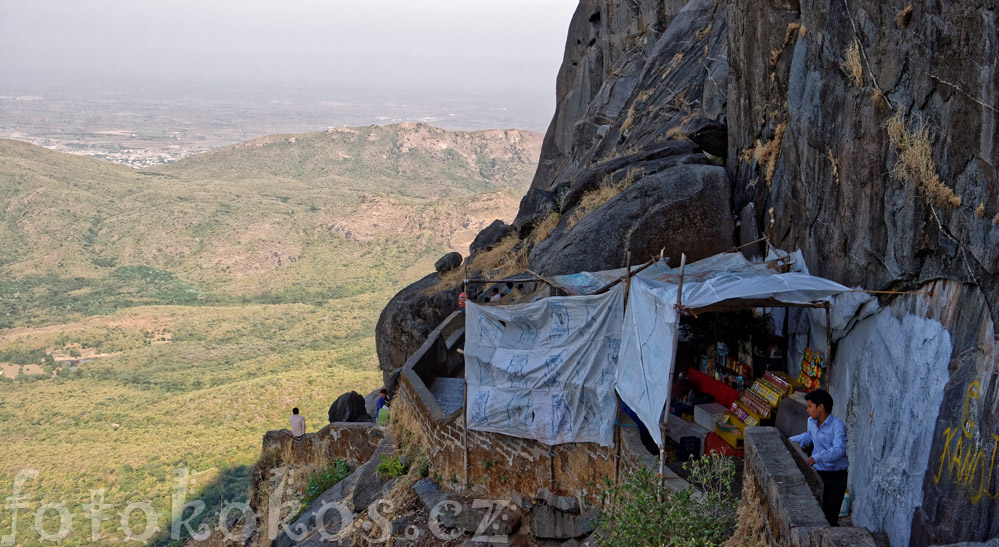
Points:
x=474 y=46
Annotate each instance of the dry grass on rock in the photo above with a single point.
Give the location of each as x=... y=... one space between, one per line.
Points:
x=595 y=198
x=751 y=525
x=914 y=165
x=507 y=257
x=852 y=65
x=767 y=153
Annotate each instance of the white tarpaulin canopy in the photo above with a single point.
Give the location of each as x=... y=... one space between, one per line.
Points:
x=644 y=377
x=545 y=370
x=548 y=370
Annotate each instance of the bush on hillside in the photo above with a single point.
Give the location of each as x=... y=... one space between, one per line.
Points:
x=323 y=480
x=633 y=514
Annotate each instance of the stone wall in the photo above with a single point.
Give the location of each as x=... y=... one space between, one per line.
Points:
x=789 y=505
x=351 y=442
x=501 y=464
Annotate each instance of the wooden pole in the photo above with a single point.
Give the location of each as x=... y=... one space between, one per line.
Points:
x=464 y=419
x=627 y=279
x=464 y=435
x=608 y=286
x=551 y=464
x=762 y=239
x=617 y=457
x=676 y=339
x=828 y=360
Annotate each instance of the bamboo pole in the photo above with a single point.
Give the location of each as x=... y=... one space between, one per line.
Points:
x=634 y=272
x=828 y=360
x=676 y=339
x=464 y=435
x=543 y=278
x=762 y=239
x=627 y=279
x=507 y=280
x=464 y=428
x=551 y=463
x=922 y=293
x=617 y=457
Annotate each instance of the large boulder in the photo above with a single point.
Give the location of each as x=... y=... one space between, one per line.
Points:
x=408 y=319
x=534 y=206
x=489 y=236
x=448 y=262
x=593 y=76
x=684 y=209
x=349 y=407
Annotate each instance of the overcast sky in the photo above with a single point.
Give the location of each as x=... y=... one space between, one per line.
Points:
x=477 y=46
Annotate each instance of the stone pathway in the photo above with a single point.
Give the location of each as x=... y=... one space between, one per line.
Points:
x=449 y=393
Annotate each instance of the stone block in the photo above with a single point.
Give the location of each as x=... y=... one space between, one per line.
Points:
x=567 y=504
x=550 y=523
x=429 y=492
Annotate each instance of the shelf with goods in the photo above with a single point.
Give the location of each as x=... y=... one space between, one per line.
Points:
x=718 y=365
x=755 y=406
x=812 y=367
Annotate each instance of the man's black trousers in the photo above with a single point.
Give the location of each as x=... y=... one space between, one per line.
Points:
x=833 y=490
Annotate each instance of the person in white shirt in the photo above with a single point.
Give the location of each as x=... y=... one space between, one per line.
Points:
x=297 y=424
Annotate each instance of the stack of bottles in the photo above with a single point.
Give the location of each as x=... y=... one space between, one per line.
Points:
x=717 y=364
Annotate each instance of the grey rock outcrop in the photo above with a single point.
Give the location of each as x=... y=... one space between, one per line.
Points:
x=794 y=98
x=832 y=157
x=448 y=262
x=408 y=319
x=348 y=407
x=684 y=209
x=489 y=236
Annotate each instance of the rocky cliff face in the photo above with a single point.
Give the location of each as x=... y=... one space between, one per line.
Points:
x=863 y=133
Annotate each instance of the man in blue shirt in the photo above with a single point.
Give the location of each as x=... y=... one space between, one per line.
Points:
x=827 y=435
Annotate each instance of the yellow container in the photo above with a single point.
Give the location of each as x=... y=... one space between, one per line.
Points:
x=728 y=436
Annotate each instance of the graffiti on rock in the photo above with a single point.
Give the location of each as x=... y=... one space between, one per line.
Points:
x=969 y=455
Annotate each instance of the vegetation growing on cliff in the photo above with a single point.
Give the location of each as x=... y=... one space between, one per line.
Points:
x=639 y=511
x=913 y=143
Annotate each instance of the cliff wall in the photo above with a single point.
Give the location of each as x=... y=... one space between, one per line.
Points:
x=863 y=133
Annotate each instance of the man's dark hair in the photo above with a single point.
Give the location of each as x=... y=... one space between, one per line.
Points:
x=495 y=290
x=294 y=410
x=821 y=397
x=383 y=390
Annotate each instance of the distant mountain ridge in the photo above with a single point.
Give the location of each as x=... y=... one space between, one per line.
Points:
x=364 y=158
x=329 y=214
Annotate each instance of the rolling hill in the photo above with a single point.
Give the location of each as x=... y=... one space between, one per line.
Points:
x=175 y=315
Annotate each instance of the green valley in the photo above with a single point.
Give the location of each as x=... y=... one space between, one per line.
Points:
x=162 y=320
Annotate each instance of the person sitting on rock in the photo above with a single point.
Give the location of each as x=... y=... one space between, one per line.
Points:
x=827 y=434
x=297 y=424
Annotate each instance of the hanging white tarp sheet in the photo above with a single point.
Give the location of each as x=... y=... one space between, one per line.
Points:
x=644 y=379
x=548 y=370
x=545 y=370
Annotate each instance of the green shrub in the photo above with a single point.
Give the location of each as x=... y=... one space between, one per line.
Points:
x=322 y=481
x=392 y=466
x=704 y=514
